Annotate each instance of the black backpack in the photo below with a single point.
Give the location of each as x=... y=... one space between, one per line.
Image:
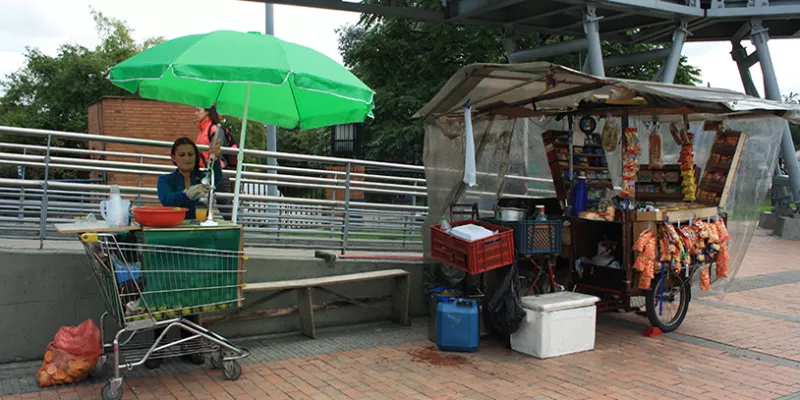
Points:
x=227 y=140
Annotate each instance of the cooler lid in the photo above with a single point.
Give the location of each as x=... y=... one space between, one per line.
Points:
x=558 y=301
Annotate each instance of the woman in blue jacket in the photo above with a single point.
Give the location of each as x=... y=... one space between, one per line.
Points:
x=183 y=187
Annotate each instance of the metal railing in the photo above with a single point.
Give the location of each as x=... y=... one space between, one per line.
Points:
x=30 y=207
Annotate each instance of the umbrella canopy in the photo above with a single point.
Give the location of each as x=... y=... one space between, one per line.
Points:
x=248 y=75
x=291 y=86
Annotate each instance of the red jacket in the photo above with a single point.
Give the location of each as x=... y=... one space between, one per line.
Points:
x=202 y=140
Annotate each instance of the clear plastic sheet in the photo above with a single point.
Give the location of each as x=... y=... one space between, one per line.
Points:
x=513 y=148
x=750 y=187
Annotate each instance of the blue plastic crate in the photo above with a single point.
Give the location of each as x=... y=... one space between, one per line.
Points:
x=534 y=237
x=538 y=237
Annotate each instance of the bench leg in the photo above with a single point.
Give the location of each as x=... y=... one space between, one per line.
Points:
x=401 y=298
x=306 y=312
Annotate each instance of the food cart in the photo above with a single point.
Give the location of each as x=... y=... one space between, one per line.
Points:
x=152 y=278
x=525 y=134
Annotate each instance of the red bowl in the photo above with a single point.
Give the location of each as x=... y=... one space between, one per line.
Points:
x=159 y=216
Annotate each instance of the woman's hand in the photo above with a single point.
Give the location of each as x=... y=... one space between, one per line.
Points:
x=196 y=191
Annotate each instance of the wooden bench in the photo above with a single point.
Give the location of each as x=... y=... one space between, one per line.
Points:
x=401 y=295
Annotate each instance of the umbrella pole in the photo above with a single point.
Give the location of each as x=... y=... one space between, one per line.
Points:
x=238 y=184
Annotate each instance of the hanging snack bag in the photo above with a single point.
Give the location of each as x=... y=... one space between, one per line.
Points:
x=656 y=157
x=610 y=134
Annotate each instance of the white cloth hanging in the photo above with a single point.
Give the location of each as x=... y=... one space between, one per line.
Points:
x=470 y=172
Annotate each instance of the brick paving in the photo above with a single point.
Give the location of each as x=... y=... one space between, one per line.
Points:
x=744 y=346
x=768 y=300
x=768 y=254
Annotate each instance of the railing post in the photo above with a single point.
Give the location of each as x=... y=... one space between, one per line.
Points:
x=346 y=209
x=405 y=227
x=280 y=218
x=333 y=197
x=43 y=210
x=414 y=197
x=22 y=189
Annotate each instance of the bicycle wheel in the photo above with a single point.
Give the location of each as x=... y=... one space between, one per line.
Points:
x=668 y=314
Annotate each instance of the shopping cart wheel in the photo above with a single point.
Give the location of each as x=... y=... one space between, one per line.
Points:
x=232 y=370
x=111 y=393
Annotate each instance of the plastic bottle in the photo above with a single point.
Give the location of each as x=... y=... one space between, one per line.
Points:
x=115 y=210
x=445 y=225
x=540 y=215
x=579 y=195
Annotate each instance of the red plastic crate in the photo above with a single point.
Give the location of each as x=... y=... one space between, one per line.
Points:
x=474 y=257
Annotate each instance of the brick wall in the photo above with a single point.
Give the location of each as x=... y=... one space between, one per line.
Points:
x=339 y=194
x=141 y=119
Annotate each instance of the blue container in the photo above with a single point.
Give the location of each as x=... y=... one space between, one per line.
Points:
x=580 y=193
x=457 y=325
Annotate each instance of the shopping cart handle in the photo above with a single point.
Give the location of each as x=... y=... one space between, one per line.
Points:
x=89 y=238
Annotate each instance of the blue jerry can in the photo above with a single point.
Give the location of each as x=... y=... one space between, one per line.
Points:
x=457 y=325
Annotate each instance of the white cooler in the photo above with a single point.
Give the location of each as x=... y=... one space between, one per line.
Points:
x=556 y=324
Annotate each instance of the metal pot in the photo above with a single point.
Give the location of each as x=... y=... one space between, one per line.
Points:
x=509 y=213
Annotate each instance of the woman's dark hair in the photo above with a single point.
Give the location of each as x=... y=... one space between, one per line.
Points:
x=212 y=113
x=185 y=140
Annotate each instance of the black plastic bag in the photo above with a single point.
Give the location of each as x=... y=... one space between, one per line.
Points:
x=503 y=311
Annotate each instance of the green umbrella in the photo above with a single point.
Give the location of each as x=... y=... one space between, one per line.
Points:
x=248 y=75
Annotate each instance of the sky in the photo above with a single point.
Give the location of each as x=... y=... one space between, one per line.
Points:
x=48 y=23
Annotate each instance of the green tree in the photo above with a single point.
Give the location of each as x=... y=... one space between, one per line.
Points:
x=406 y=62
x=256 y=136
x=54 y=92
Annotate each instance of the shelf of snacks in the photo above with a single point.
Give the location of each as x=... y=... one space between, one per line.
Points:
x=588 y=158
x=721 y=168
x=664 y=184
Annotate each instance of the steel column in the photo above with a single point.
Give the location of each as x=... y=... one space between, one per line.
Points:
x=591 y=27
x=569 y=46
x=739 y=54
x=760 y=37
x=635 y=58
x=674 y=59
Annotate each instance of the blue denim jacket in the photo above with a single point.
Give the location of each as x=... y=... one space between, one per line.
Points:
x=170 y=189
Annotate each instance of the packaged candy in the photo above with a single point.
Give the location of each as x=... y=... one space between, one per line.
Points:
x=656 y=158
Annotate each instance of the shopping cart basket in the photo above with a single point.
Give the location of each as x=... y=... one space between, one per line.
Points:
x=148 y=287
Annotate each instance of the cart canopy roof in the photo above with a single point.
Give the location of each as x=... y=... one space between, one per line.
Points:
x=542 y=88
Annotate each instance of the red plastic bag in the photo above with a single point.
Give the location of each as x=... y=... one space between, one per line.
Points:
x=72 y=355
x=80 y=340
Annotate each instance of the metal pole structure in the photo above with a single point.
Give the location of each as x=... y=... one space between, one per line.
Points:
x=592 y=28
x=739 y=54
x=760 y=37
x=43 y=211
x=570 y=46
x=674 y=59
x=635 y=58
x=272 y=135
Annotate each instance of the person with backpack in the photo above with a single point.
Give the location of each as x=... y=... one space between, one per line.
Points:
x=208 y=120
